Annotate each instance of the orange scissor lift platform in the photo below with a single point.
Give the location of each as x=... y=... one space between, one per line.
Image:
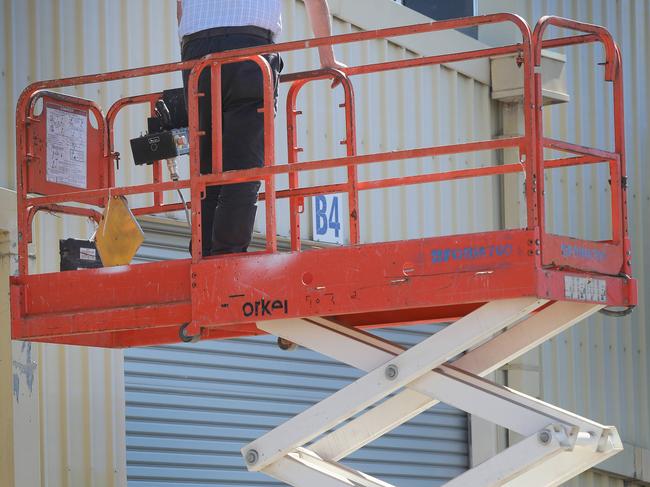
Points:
x=503 y=291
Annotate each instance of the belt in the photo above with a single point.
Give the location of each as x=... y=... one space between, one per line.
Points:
x=249 y=30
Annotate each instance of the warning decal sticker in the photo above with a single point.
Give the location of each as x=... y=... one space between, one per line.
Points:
x=66 y=146
x=585 y=289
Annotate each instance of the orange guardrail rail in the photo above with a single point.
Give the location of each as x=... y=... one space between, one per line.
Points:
x=379 y=284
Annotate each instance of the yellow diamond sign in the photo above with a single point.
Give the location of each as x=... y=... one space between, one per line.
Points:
x=119 y=235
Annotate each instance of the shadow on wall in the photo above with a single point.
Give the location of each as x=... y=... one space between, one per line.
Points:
x=444 y=9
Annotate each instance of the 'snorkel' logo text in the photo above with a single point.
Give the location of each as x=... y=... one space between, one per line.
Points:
x=264 y=307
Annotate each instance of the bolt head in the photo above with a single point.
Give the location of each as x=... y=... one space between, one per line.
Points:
x=544 y=437
x=392 y=371
x=252 y=457
x=286 y=345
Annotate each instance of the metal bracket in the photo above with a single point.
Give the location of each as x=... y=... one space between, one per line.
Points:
x=187 y=338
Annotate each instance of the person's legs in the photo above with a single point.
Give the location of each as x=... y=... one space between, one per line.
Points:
x=228 y=212
x=234 y=218
x=243 y=147
x=195 y=50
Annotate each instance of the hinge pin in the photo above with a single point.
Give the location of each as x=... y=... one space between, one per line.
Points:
x=392 y=371
x=544 y=437
x=252 y=457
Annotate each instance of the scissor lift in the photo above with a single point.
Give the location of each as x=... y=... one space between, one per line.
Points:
x=504 y=292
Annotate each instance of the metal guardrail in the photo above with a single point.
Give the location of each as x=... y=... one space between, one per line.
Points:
x=531 y=144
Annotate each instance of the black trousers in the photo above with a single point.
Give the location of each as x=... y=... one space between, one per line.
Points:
x=228 y=211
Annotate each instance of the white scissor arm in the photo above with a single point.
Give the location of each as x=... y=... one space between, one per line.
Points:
x=445 y=367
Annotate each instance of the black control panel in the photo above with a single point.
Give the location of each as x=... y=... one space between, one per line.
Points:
x=167 y=133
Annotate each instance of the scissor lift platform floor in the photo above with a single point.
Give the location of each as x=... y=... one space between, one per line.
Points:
x=373 y=285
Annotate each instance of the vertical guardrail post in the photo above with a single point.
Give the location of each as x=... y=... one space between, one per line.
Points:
x=197 y=187
x=296 y=203
x=269 y=151
x=22 y=159
x=621 y=227
x=217 y=119
x=351 y=150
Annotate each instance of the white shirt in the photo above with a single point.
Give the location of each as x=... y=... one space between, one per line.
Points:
x=200 y=15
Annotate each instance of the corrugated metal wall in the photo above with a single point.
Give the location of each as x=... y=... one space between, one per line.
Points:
x=44 y=39
x=80 y=392
x=80 y=405
x=412 y=108
x=600 y=368
x=191 y=407
x=400 y=110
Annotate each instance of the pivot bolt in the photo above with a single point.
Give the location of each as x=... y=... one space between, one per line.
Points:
x=286 y=345
x=392 y=371
x=252 y=457
x=544 y=437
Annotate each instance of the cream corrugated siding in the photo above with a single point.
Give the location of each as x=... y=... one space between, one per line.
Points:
x=78 y=394
x=600 y=368
x=396 y=110
x=80 y=415
x=64 y=38
x=598 y=479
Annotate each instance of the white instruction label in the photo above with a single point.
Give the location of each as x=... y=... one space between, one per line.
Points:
x=87 y=254
x=66 y=147
x=585 y=289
